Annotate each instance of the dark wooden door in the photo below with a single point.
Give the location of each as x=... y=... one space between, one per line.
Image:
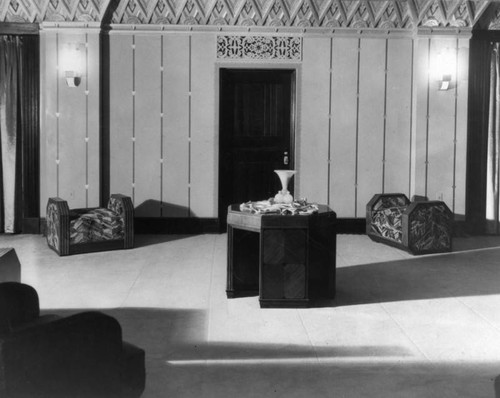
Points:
x=256 y=133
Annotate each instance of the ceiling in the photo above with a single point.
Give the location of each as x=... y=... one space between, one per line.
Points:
x=376 y=14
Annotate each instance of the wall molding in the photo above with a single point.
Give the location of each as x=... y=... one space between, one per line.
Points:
x=329 y=14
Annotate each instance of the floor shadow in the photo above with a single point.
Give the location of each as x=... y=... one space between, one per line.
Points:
x=181 y=335
x=468 y=273
x=180 y=362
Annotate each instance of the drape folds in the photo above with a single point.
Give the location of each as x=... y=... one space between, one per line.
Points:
x=493 y=161
x=10 y=64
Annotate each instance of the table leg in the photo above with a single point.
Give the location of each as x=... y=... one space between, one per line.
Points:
x=229 y=282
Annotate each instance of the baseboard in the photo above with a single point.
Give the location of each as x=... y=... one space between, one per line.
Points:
x=31 y=225
x=462 y=229
x=176 y=225
x=356 y=226
x=193 y=225
x=167 y=226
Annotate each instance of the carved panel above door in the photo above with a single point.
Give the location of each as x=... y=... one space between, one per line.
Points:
x=277 y=48
x=378 y=14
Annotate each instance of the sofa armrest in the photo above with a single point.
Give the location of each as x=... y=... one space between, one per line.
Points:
x=428 y=227
x=58 y=219
x=78 y=355
x=19 y=303
x=380 y=202
x=123 y=206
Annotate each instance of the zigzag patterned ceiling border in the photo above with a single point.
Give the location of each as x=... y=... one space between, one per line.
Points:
x=383 y=14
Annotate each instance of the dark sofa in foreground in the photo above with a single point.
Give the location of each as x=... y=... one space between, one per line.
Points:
x=77 y=356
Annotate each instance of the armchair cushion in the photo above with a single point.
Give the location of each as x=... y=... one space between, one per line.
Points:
x=95 y=226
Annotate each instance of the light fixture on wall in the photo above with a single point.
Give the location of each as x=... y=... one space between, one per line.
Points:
x=72 y=63
x=445 y=82
x=444 y=68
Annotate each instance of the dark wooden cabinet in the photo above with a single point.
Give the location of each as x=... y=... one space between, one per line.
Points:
x=289 y=260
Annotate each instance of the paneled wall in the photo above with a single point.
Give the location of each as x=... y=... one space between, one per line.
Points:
x=163 y=141
x=361 y=120
x=70 y=131
x=370 y=119
x=441 y=138
x=373 y=120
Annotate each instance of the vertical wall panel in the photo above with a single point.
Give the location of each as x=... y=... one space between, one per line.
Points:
x=49 y=125
x=92 y=85
x=441 y=132
x=344 y=115
x=422 y=90
x=204 y=145
x=176 y=125
x=72 y=132
x=461 y=128
x=371 y=121
x=148 y=140
x=121 y=114
x=312 y=138
x=398 y=120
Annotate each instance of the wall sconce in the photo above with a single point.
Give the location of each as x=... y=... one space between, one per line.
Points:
x=72 y=61
x=445 y=82
x=444 y=68
x=73 y=79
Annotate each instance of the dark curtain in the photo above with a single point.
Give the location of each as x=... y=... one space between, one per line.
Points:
x=493 y=160
x=10 y=115
x=483 y=137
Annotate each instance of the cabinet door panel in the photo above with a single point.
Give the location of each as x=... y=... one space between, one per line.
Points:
x=284 y=246
x=271 y=286
x=294 y=280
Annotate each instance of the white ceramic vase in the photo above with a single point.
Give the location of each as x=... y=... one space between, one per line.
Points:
x=284 y=195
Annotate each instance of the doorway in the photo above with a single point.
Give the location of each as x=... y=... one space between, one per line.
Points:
x=257 y=128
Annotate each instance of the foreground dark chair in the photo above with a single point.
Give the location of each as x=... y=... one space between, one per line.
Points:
x=10 y=267
x=82 y=355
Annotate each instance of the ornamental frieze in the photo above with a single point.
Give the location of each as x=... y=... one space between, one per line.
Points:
x=374 y=14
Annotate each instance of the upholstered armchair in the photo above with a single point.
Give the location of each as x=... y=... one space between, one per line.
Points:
x=90 y=229
x=82 y=355
x=420 y=226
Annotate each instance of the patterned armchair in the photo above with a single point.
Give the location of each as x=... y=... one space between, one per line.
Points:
x=420 y=227
x=89 y=230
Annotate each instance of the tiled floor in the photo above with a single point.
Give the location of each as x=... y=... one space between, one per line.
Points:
x=401 y=326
